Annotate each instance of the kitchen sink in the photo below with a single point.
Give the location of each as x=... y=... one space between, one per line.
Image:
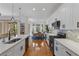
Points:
x=13 y=41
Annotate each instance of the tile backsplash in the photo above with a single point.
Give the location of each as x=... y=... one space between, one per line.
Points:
x=73 y=35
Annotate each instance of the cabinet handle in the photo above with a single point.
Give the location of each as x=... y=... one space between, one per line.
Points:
x=56 y=48
x=21 y=48
x=68 y=53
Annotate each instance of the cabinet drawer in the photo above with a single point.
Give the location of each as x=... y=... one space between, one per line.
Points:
x=69 y=53
x=7 y=53
x=61 y=50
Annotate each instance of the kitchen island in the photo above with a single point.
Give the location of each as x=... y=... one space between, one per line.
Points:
x=13 y=49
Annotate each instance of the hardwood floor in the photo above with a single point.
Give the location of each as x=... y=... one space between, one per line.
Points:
x=38 y=48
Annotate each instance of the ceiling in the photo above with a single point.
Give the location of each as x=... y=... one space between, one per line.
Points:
x=27 y=9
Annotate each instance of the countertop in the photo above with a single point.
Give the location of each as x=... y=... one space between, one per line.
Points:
x=70 y=44
x=5 y=47
x=52 y=34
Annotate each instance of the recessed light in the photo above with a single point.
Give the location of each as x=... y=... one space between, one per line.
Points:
x=34 y=9
x=43 y=9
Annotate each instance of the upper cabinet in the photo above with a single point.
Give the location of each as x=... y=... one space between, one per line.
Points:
x=66 y=17
x=75 y=15
x=72 y=16
x=68 y=14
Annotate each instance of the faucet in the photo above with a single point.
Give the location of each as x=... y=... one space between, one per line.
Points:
x=9 y=35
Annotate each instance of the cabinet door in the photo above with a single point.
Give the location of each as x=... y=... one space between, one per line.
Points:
x=9 y=52
x=75 y=14
x=66 y=16
x=69 y=52
x=4 y=54
x=17 y=50
x=20 y=48
x=61 y=50
x=66 y=52
x=57 y=48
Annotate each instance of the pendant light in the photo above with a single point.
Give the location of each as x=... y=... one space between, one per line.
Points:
x=19 y=14
x=12 y=18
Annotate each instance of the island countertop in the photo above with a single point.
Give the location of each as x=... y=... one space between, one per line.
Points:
x=4 y=47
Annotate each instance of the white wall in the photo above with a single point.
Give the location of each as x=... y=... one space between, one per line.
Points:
x=68 y=13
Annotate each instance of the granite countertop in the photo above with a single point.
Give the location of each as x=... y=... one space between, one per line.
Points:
x=70 y=44
x=5 y=47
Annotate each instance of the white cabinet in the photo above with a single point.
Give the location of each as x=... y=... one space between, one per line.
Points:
x=60 y=50
x=57 y=48
x=20 y=48
x=17 y=50
x=66 y=17
x=69 y=52
x=7 y=53
x=68 y=14
x=75 y=14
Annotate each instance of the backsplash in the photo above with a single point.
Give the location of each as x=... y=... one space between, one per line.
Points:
x=73 y=35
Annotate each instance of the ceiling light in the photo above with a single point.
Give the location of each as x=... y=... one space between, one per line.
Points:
x=34 y=9
x=44 y=9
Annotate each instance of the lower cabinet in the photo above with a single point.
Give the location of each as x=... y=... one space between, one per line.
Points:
x=60 y=50
x=17 y=50
x=69 y=52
